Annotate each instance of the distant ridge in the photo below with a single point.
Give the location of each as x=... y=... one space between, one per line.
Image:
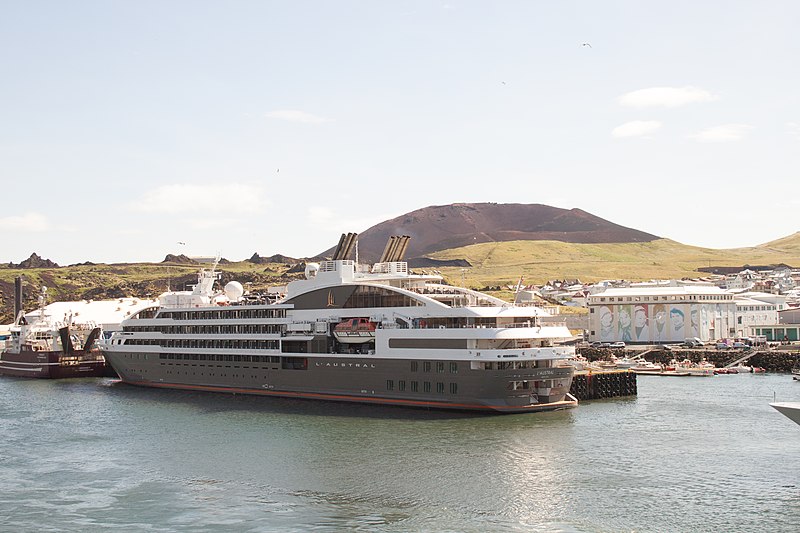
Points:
x=34 y=261
x=277 y=258
x=443 y=227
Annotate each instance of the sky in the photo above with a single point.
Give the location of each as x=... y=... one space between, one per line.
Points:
x=134 y=129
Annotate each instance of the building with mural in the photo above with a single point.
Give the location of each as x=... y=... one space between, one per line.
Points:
x=651 y=315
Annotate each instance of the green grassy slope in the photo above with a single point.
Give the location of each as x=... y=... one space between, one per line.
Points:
x=539 y=261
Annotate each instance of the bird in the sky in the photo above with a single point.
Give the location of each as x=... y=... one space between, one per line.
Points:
x=586 y=44
x=183 y=243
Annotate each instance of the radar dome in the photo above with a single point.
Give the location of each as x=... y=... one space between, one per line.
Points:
x=311 y=270
x=234 y=290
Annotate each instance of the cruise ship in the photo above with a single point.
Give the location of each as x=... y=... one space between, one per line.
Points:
x=354 y=333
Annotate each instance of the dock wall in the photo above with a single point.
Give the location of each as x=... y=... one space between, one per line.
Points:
x=598 y=385
x=773 y=360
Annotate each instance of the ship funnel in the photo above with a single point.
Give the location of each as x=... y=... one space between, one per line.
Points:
x=386 y=249
x=17 y=298
x=401 y=249
x=339 y=247
x=395 y=249
x=345 y=246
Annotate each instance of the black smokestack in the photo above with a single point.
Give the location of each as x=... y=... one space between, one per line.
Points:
x=17 y=297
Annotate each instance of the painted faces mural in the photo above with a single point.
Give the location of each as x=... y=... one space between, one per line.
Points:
x=677 y=320
x=659 y=315
x=640 y=329
x=624 y=322
x=694 y=320
x=606 y=324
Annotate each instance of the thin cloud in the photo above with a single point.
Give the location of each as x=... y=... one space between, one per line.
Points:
x=325 y=217
x=793 y=129
x=665 y=97
x=210 y=223
x=292 y=115
x=32 y=222
x=210 y=199
x=319 y=216
x=636 y=128
x=724 y=133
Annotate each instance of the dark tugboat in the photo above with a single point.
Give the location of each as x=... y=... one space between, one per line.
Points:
x=47 y=348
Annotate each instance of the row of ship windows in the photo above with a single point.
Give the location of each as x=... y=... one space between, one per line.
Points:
x=427 y=366
x=426 y=386
x=510 y=365
x=287 y=363
x=219 y=357
x=224 y=314
x=237 y=344
x=228 y=329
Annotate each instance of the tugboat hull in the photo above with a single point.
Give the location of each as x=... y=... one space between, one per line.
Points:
x=52 y=365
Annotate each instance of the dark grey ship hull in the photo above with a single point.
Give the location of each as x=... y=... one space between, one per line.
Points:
x=365 y=379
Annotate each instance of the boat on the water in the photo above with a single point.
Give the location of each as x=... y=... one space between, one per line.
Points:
x=59 y=340
x=646 y=367
x=701 y=369
x=790 y=409
x=42 y=347
x=355 y=333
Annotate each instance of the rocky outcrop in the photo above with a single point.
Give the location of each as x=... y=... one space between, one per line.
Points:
x=34 y=261
x=180 y=259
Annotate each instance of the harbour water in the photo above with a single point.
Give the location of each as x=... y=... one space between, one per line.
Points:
x=686 y=454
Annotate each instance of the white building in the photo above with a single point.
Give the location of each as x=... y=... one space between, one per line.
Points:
x=751 y=313
x=650 y=315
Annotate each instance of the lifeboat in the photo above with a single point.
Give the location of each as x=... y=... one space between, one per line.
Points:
x=354 y=331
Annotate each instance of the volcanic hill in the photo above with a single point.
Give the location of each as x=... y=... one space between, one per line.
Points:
x=444 y=227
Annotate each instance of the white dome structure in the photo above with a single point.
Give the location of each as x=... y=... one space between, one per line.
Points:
x=234 y=290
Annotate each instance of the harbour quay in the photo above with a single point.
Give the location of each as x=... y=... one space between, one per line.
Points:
x=781 y=359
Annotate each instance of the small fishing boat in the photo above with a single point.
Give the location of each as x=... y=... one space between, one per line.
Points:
x=701 y=369
x=645 y=367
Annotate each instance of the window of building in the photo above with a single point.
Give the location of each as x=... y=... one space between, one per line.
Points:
x=426 y=386
x=440 y=387
x=389 y=384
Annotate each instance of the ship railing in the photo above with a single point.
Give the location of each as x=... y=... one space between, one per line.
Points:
x=330 y=266
x=392 y=267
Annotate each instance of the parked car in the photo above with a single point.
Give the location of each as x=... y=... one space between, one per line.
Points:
x=723 y=346
x=742 y=345
x=618 y=344
x=664 y=347
x=692 y=342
